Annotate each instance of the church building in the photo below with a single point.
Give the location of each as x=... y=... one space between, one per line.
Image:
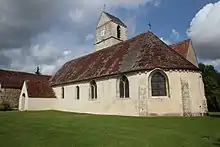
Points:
x=140 y=76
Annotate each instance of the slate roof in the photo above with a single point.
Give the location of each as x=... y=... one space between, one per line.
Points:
x=143 y=52
x=15 y=79
x=182 y=47
x=39 y=88
x=115 y=19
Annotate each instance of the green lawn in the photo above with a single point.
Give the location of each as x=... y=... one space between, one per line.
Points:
x=59 y=129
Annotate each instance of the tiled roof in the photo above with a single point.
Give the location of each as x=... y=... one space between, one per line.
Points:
x=115 y=19
x=15 y=79
x=181 y=47
x=143 y=52
x=39 y=89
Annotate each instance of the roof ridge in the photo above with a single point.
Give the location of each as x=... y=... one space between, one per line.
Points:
x=16 y=71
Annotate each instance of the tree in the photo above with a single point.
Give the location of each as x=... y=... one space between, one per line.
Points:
x=211 y=79
x=38 y=71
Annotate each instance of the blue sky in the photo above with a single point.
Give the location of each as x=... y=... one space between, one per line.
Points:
x=51 y=32
x=170 y=14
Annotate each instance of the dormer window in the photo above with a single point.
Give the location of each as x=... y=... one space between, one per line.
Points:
x=118 y=32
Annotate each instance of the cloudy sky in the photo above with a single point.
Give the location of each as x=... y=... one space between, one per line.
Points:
x=47 y=33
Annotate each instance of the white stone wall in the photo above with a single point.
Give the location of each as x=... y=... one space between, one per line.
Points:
x=35 y=104
x=191 y=55
x=23 y=101
x=108 y=101
x=27 y=103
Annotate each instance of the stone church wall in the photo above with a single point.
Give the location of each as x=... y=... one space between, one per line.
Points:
x=140 y=102
x=107 y=103
x=11 y=96
x=191 y=55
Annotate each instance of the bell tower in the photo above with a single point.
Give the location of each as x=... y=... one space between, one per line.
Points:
x=109 y=31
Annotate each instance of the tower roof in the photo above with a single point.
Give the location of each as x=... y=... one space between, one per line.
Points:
x=115 y=19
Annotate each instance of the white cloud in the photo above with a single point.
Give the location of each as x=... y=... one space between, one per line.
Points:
x=131 y=24
x=66 y=52
x=215 y=63
x=205 y=32
x=89 y=37
x=174 y=35
x=49 y=33
x=77 y=15
x=156 y=3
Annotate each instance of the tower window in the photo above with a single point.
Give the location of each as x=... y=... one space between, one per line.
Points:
x=118 y=32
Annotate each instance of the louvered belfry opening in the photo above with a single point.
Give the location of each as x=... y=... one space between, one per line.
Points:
x=118 y=32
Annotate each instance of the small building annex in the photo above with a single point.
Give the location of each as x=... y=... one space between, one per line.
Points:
x=11 y=83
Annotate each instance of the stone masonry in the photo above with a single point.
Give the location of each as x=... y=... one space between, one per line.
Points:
x=11 y=96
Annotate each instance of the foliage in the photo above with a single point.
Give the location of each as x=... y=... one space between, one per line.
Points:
x=38 y=71
x=1 y=107
x=211 y=79
x=5 y=106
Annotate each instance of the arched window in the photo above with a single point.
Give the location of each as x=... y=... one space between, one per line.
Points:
x=23 y=95
x=159 y=84
x=62 y=92
x=77 y=92
x=93 y=88
x=124 y=87
x=118 y=32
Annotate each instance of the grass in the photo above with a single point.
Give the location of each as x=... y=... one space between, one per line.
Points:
x=59 y=129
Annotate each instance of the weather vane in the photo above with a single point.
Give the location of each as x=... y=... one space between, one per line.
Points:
x=104 y=7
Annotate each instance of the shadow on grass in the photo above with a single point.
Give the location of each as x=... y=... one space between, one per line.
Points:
x=217 y=143
x=214 y=114
x=214 y=141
